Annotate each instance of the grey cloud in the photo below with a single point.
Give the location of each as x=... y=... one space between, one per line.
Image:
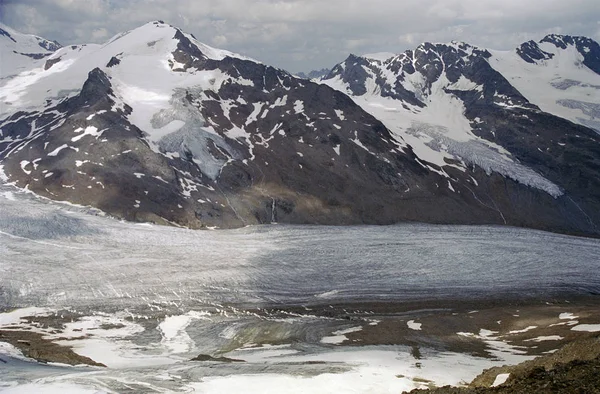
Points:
x=308 y=34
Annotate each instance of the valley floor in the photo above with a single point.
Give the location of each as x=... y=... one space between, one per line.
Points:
x=387 y=347
x=110 y=306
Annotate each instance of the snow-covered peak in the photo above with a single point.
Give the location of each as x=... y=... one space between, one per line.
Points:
x=147 y=33
x=560 y=74
x=152 y=60
x=563 y=41
x=409 y=76
x=152 y=33
x=30 y=42
x=581 y=50
x=452 y=46
x=154 y=38
x=586 y=47
x=20 y=52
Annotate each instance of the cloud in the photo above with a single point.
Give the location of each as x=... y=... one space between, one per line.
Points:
x=308 y=34
x=98 y=34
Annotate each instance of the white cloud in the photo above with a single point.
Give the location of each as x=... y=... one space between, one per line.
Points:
x=220 y=40
x=99 y=34
x=306 y=34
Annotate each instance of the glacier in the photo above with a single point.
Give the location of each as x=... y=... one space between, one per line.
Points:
x=144 y=299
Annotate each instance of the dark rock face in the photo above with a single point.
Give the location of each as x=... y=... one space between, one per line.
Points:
x=186 y=46
x=6 y=34
x=432 y=59
x=354 y=74
x=530 y=52
x=35 y=56
x=574 y=377
x=113 y=62
x=536 y=138
x=206 y=357
x=51 y=62
x=51 y=46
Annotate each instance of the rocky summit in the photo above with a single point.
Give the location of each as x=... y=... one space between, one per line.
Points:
x=156 y=126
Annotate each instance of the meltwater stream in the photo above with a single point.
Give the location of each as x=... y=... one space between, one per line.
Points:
x=151 y=297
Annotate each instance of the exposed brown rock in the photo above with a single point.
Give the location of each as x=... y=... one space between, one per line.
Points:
x=35 y=346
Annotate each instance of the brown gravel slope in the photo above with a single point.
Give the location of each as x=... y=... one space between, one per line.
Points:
x=575 y=368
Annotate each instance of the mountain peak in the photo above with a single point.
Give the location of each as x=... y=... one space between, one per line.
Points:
x=17 y=37
x=19 y=51
x=379 y=56
x=158 y=36
x=562 y=41
x=587 y=47
x=557 y=39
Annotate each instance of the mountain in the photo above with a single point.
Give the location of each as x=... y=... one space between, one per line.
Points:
x=314 y=74
x=156 y=126
x=20 y=52
x=530 y=115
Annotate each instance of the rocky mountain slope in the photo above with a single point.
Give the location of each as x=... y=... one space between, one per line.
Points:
x=155 y=126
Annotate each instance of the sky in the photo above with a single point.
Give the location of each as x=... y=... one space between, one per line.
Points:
x=304 y=35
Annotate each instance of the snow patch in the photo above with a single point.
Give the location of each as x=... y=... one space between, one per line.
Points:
x=16 y=316
x=413 y=325
x=587 y=327
x=545 y=338
x=3 y=176
x=499 y=348
x=174 y=336
x=567 y=316
x=56 y=151
x=298 y=106
x=339 y=336
x=91 y=131
x=500 y=379
x=523 y=330
x=24 y=164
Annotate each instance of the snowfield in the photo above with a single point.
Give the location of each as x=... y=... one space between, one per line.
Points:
x=555 y=85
